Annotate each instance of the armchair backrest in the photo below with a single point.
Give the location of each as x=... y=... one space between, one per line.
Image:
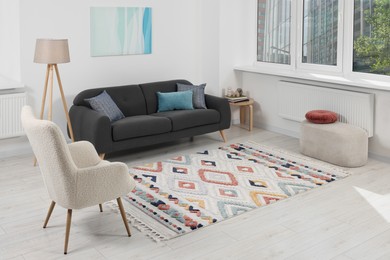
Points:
x=53 y=155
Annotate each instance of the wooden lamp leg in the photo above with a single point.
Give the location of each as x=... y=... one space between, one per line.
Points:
x=64 y=102
x=50 y=111
x=49 y=77
x=49 y=74
x=44 y=92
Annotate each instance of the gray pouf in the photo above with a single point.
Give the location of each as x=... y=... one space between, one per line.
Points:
x=338 y=143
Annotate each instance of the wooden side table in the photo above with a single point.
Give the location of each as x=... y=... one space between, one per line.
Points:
x=243 y=107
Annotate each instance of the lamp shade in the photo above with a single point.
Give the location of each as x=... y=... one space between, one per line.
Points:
x=51 y=51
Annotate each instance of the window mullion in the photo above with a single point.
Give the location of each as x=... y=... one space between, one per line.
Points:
x=340 y=36
x=348 y=37
x=297 y=15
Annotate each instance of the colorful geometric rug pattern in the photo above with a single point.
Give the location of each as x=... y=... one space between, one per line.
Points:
x=185 y=193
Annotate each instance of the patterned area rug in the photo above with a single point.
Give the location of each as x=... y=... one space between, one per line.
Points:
x=182 y=194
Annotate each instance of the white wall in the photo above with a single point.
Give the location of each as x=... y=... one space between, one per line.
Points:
x=209 y=19
x=176 y=51
x=9 y=42
x=237 y=42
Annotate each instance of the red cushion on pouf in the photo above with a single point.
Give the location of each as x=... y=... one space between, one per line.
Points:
x=321 y=116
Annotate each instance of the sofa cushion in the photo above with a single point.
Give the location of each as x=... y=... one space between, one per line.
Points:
x=174 y=101
x=198 y=94
x=129 y=98
x=104 y=104
x=137 y=126
x=183 y=119
x=150 y=89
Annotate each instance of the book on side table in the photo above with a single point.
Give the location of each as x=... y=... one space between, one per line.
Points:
x=237 y=99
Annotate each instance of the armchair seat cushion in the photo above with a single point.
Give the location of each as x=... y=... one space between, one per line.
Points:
x=138 y=126
x=183 y=119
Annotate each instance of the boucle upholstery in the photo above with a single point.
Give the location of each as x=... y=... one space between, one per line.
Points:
x=74 y=175
x=338 y=143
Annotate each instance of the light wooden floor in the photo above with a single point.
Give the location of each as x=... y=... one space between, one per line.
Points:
x=330 y=222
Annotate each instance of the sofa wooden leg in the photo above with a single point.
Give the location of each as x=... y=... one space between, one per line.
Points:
x=49 y=213
x=101 y=207
x=222 y=135
x=102 y=156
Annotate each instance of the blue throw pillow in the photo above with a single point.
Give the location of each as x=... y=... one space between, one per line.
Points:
x=103 y=103
x=198 y=99
x=174 y=101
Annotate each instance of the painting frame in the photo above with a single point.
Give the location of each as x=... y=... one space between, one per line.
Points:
x=120 y=31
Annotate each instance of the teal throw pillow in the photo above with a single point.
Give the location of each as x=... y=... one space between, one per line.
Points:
x=104 y=104
x=174 y=101
x=198 y=98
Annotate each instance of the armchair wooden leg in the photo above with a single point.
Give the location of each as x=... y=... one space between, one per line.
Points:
x=68 y=221
x=123 y=214
x=49 y=213
x=222 y=135
x=101 y=207
x=102 y=155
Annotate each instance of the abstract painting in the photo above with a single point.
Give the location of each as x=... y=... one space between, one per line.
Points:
x=121 y=31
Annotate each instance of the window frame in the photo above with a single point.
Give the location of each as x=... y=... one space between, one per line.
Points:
x=299 y=42
x=272 y=65
x=344 y=68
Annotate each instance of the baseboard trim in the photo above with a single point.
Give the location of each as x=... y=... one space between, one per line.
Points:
x=379 y=157
x=278 y=130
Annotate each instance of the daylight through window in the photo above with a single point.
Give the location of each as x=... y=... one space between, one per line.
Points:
x=318 y=32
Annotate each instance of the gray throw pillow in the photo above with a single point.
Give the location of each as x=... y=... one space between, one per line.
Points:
x=103 y=103
x=198 y=99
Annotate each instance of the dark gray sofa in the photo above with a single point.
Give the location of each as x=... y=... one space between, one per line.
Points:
x=142 y=124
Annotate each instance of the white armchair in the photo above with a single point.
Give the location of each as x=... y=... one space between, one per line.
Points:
x=74 y=174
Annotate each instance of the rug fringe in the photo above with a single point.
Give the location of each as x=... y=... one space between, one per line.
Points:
x=138 y=224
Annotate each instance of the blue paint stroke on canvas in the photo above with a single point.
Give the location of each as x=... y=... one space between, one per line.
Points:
x=121 y=30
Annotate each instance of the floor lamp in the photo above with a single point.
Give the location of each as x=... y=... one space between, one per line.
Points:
x=53 y=52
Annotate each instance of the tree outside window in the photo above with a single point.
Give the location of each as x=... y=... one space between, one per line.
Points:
x=372 y=36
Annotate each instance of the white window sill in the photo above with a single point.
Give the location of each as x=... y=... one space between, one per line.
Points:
x=320 y=77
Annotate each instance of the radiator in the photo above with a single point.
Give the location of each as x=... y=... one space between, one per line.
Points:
x=10 y=109
x=355 y=108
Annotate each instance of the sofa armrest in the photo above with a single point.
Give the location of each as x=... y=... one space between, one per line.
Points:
x=91 y=126
x=222 y=106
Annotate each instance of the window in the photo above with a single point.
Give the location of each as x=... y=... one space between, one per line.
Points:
x=273 y=31
x=371 y=36
x=316 y=35
x=320 y=27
